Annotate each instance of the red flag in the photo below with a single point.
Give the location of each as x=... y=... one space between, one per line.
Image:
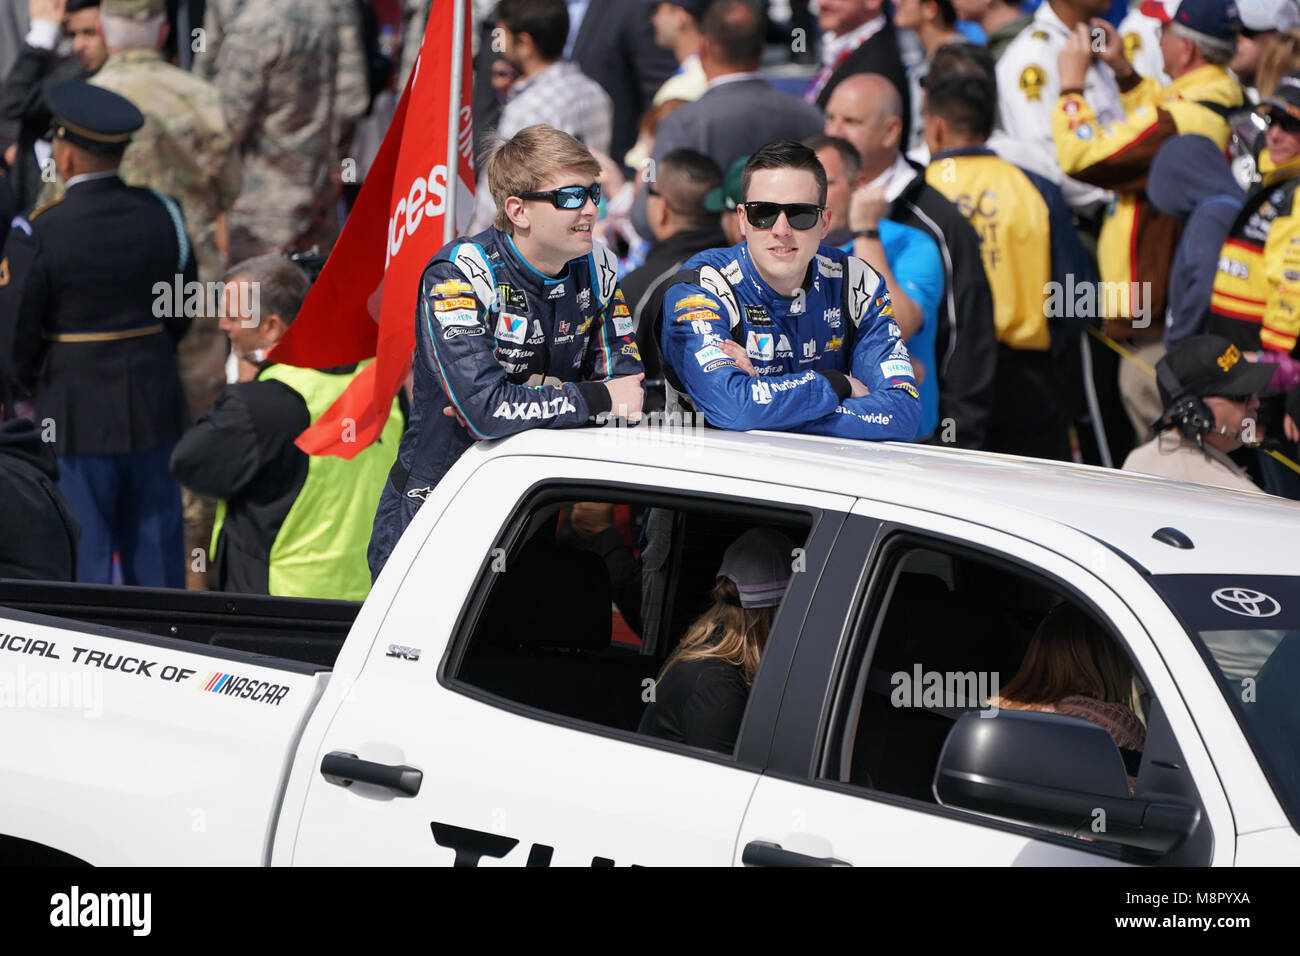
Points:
x=398 y=222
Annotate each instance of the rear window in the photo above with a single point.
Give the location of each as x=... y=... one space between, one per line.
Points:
x=1248 y=628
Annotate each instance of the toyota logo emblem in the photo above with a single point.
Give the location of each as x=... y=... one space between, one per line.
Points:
x=1246 y=601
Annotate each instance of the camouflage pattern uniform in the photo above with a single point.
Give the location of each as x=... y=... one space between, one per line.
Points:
x=217 y=15
x=293 y=85
x=185 y=149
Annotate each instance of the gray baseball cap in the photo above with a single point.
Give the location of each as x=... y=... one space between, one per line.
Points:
x=758 y=563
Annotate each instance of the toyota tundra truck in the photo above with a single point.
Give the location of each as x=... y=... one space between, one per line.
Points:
x=482 y=706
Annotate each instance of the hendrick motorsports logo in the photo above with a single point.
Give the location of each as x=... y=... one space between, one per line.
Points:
x=1246 y=602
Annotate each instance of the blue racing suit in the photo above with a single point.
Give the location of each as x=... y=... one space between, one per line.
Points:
x=797 y=346
x=510 y=349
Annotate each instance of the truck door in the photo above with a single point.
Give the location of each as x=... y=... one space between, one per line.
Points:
x=494 y=719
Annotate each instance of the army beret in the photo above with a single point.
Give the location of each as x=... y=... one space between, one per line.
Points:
x=133 y=9
x=92 y=117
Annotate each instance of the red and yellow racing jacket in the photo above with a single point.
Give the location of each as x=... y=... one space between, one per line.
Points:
x=1256 y=298
x=1137 y=243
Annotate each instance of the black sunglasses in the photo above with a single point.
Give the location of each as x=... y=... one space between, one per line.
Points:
x=568 y=197
x=1289 y=123
x=800 y=215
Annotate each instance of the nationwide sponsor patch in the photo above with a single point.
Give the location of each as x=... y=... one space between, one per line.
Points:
x=702 y=328
x=512 y=328
x=906 y=387
x=896 y=367
x=761 y=392
x=760 y=345
x=894 y=331
x=456 y=317
x=835 y=344
x=696 y=302
x=699 y=315
x=631 y=351
x=453 y=287
x=518 y=411
x=461 y=302
x=757 y=315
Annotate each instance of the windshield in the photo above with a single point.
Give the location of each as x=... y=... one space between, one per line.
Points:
x=1248 y=628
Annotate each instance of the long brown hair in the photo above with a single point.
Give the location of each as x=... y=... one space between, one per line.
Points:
x=726 y=631
x=1070 y=654
x=1279 y=55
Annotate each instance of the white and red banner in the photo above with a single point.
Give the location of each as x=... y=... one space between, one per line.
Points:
x=363 y=303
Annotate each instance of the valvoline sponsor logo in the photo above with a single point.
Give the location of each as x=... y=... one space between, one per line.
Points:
x=249 y=688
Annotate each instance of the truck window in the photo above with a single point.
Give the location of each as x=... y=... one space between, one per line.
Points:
x=944 y=631
x=589 y=593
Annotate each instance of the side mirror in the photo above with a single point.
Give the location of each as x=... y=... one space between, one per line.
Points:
x=1057 y=772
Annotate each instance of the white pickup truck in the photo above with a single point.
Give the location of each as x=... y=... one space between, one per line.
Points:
x=482 y=706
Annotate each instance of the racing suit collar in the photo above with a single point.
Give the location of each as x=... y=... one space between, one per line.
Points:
x=525 y=270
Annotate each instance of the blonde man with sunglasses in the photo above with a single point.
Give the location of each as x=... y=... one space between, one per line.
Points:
x=520 y=326
x=780 y=331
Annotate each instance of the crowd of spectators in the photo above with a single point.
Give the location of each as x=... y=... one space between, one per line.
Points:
x=1056 y=195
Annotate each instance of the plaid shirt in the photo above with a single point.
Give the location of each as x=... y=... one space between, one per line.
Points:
x=562 y=96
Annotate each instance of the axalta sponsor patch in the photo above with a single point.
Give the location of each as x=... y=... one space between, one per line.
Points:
x=696 y=302
x=248 y=688
x=557 y=292
x=453 y=287
x=899 y=351
x=905 y=387
x=515 y=411
x=512 y=328
x=461 y=302
x=896 y=367
x=699 y=315
x=760 y=345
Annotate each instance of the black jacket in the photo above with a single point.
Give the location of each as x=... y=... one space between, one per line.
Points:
x=664 y=260
x=615 y=46
x=877 y=55
x=38 y=532
x=700 y=703
x=22 y=98
x=966 y=347
x=88 y=265
x=242 y=452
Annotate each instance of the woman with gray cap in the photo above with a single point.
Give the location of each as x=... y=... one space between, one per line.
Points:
x=701 y=693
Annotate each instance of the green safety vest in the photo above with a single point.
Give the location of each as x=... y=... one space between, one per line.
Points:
x=320 y=549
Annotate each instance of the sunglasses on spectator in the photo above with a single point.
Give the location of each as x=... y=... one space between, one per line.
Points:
x=1286 y=121
x=567 y=197
x=800 y=215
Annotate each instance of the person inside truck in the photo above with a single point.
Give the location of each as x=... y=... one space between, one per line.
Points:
x=701 y=693
x=1073 y=667
x=520 y=326
x=780 y=331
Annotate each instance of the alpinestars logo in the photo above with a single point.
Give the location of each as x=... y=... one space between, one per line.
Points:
x=516 y=411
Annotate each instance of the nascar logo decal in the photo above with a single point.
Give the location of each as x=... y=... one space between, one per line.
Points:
x=249 y=688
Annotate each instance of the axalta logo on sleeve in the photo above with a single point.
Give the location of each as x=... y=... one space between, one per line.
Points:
x=515 y=411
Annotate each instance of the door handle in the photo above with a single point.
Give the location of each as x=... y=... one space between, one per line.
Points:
x=759 y=853
x=345 y=769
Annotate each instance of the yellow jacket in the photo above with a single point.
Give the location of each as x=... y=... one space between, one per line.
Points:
x=1256 y=298
x=1137 y=244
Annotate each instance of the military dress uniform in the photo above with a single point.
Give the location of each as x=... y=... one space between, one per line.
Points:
x=89 y=338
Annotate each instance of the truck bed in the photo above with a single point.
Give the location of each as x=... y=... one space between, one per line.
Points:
x=293 y=629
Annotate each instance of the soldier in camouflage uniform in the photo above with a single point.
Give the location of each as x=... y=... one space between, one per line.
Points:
x=186 y=151
x=293 y=85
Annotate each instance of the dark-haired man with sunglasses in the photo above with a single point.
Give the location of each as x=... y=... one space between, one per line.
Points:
x=520 y=326
x=781 y=332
